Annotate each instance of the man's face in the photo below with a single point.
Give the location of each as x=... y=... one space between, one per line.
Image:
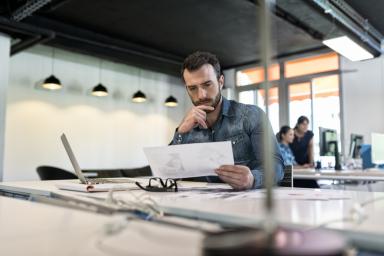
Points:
x=203 y=86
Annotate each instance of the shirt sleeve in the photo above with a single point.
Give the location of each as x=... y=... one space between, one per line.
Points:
x=179 y=138
x=255 y=128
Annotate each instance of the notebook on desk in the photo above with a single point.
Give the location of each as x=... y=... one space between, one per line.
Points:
x=79 y=172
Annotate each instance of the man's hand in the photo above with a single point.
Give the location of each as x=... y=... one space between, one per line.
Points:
x=196 y=115
x=237 y=176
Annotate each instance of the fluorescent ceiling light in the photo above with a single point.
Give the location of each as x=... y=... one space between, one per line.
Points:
x=348 y=48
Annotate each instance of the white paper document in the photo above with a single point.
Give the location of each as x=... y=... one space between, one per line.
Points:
x=76 y=186
x=189 y=160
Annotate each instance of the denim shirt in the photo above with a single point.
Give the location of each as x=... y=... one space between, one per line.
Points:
x=287 y=154
x=242 y=125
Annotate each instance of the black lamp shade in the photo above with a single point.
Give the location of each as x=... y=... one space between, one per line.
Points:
x=100 y=90
x=52 y=83
x=170 y=101
x=139 y=97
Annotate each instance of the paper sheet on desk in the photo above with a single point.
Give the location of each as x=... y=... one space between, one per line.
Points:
x=189 y=160
x=95 y=187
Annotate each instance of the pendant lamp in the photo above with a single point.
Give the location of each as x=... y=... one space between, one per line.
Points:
x=99 y=90
x=52 y=82
x=139 y=96
x=171 y=102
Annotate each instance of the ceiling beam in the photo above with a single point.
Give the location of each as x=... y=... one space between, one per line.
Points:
x=104 y=46
x=28 y=35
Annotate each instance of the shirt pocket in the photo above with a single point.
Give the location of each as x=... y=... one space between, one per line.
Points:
x=241 y=148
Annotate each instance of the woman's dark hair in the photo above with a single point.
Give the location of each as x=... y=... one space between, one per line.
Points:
x=197 y=59
x=283 y=130
x=301 y=120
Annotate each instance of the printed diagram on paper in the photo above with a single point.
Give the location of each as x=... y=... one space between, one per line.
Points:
x=189 y=160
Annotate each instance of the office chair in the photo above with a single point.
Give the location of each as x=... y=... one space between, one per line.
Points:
x=137 y=172
x=46 y=172
x=288 y=177
x=305 y=183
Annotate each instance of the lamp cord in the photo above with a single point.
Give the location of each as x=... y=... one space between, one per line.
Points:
x=53 y=60
x=100 y=62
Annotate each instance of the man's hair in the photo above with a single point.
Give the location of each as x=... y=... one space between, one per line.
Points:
x=197 y=59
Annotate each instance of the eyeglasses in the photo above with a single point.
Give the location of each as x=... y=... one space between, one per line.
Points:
x=159 y=185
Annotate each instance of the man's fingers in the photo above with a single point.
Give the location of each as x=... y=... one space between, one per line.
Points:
x=234 y=168
x=232 y=175
x=205 y=107
x=235 y=183
x=203 y=116
x=200 y=111
x=238 y=176
x=202 y=122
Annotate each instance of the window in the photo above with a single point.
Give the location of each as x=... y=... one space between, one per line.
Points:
x=273 y=106
x=247 y=97
x=326 y=105
x=318 y=99
x=257 y=97
x=256 y=75
x=308 y=91
x=312 y=65
x=300 y=102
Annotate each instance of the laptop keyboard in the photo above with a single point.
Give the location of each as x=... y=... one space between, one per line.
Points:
x=106 y=180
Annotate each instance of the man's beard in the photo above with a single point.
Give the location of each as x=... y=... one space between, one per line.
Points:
x=213 y=102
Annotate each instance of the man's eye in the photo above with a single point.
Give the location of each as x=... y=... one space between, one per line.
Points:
x=191 y=88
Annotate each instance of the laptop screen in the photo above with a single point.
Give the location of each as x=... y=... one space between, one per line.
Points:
x=72 y=157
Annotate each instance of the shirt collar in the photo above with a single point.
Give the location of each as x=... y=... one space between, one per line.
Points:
x=225 y=107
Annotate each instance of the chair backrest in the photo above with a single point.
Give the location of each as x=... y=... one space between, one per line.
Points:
x=46 y=172
x=288 y=177
x=137 y=172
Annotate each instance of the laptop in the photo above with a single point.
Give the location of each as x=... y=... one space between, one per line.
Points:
x=79 y=173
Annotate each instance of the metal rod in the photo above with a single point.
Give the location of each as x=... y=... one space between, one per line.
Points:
x=265 y=28
x=343 y=19
x=28 y=9
x=346 y=8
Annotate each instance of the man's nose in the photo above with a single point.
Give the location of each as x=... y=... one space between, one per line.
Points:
x=202 y=93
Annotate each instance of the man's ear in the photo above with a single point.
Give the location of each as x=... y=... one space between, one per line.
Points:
x=221 y=81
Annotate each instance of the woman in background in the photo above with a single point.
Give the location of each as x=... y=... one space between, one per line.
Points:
x=285 y=137
x=302 y=145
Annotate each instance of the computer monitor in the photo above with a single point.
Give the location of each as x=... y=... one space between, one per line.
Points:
x=377 y=141
x=355 y=145
x=328 y=141
x=329 y=145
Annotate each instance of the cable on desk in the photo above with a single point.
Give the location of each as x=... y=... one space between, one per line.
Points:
x=142 y=205
x=357 y=214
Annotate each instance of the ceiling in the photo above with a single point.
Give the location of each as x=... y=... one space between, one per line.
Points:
x=157 y=35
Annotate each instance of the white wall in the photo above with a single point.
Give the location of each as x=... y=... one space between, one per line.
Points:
x=362 y=97
x=104 y=132
x=5 y=43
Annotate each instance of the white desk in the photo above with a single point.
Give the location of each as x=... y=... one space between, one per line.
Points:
x=29 y=228
x=356 y=175
x=293 y=210
x=35 y=229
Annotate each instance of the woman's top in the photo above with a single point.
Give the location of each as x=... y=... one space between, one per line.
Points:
x=299 y=148
x=287 y=154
